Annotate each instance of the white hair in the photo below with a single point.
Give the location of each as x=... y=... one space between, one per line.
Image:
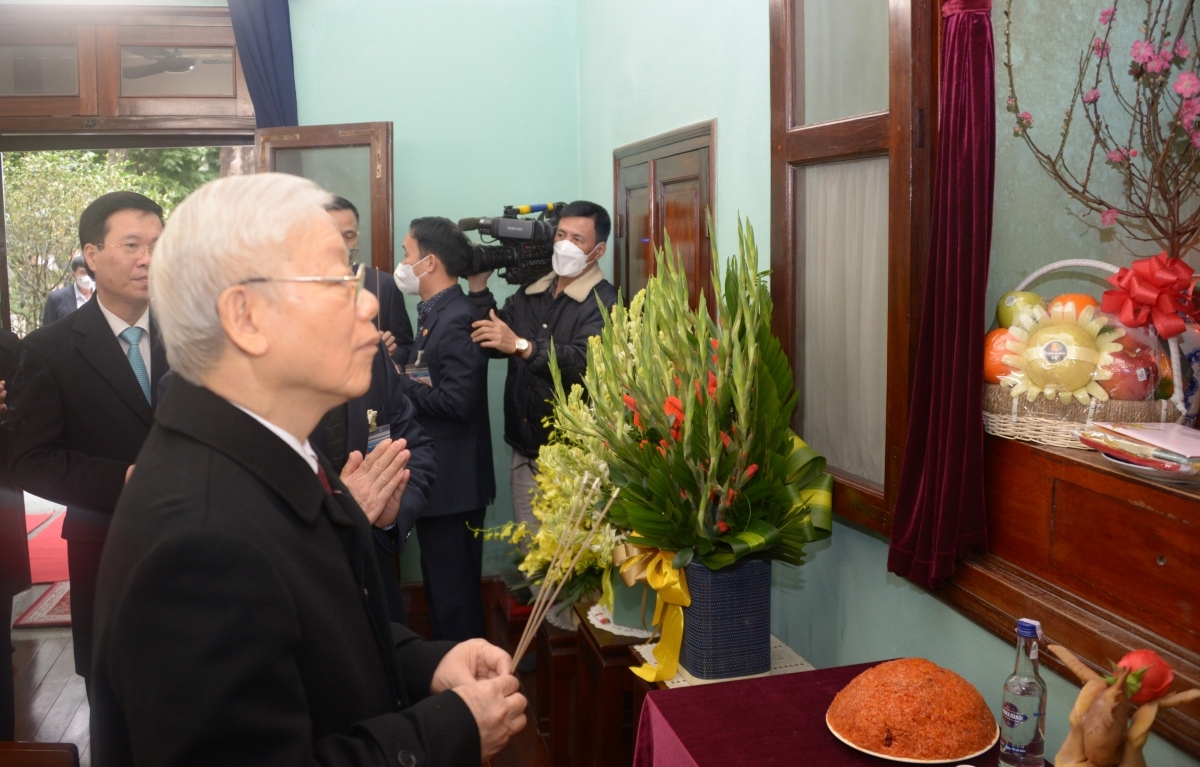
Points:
x=226 y=231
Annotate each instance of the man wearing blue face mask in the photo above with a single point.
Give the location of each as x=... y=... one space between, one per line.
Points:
x=560 y=307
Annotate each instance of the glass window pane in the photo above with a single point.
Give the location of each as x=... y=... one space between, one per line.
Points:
x=844 y=209
x=341 y=170
x=39 y=70
x=158 y=71
x=841 y=59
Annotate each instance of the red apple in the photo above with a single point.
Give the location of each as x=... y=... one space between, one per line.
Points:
x=1134 y=375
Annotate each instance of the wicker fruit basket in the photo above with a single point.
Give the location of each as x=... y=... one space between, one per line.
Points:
x=1055 y=423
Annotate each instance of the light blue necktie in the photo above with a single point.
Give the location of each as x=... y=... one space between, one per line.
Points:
x=132 y=336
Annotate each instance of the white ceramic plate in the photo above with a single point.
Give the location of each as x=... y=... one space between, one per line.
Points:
x=957 y=759
x=1158 y=475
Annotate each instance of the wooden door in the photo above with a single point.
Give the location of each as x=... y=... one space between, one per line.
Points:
x=664 y=186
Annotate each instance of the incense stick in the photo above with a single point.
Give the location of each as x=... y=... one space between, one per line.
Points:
x=574 y=518
x=535 y=620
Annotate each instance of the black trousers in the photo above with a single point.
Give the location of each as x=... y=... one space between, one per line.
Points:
x=451 y=566
x=8 y=710
x=83 y=563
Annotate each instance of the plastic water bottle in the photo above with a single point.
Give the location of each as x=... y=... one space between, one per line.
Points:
x=1023 y=712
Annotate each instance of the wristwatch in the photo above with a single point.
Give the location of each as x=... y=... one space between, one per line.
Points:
x=522 y=346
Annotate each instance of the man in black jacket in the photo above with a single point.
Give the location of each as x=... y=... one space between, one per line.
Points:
x=85 y=391
x=14 y=545
x=446 y=378
x=393 y=321
x=240 y=613
x=561 y=307
x=359 y=426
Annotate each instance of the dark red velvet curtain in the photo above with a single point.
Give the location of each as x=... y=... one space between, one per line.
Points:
x=939 y=515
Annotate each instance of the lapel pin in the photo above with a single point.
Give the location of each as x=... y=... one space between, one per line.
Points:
x=371 y=414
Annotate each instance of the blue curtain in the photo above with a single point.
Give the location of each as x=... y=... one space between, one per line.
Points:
x=263 y=30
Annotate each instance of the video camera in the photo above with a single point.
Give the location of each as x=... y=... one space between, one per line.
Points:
x=524 y=247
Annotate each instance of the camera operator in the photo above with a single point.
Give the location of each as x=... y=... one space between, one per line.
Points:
x=561 y=307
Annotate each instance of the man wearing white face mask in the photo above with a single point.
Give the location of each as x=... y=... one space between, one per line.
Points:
x=561 y=307
x=65 y=300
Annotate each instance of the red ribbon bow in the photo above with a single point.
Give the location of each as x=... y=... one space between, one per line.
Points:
x=1158 y=289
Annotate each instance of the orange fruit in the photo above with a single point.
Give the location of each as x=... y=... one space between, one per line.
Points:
x=994 y=351
x=1079 y=299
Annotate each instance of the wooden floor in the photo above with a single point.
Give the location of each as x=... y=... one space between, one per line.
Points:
x=52 y=703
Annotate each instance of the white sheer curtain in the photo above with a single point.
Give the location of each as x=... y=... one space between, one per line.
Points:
x=845 y=313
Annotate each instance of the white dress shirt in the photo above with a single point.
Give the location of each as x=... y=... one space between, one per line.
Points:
x=304 y=450
x=119 y=326
x=80 y=298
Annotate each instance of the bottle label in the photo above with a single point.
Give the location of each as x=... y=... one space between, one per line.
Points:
x=1019 y=716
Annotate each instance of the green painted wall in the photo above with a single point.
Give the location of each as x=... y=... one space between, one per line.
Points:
x=483 y=96
x=649 y=68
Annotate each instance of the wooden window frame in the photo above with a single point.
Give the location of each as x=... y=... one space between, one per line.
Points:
x=992 y=589
x=902 y=133
x=687 y=139
x=83 y=37
x=99 y=31
x=375 y=135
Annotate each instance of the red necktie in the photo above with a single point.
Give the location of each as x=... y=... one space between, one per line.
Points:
x=323 y=478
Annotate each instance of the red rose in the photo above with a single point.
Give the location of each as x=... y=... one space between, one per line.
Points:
x=1150 y=677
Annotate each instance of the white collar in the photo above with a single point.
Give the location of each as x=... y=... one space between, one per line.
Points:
x=79 y=294
x=119 y=325
x=304 y=450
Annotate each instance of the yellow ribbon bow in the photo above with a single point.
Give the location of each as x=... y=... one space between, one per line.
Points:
x=653 y=566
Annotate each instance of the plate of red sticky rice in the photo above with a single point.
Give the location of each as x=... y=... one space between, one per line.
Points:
x=912 y=710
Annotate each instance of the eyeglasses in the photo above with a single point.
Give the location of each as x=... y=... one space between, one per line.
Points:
x=130 y=249
x=357 y=279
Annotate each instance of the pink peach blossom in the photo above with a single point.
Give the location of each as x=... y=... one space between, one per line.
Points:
x=1092 y=96
x=1187 y=84
x=1196 y=140
x=1142 y=52
x=1107 y=15
x=1189 y=110
x=1181 y=49
x=1108 y=217
x=1117 y=156
x=1026 y=118
x=1101 y=48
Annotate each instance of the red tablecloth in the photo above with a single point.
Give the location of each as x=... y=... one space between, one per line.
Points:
x=776 y=720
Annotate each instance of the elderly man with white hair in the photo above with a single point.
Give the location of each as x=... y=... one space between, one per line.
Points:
x=240 y=612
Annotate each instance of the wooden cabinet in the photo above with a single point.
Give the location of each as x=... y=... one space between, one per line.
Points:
x=1108 y=562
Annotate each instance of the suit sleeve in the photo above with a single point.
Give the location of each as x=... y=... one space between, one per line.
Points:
x=572 y=356
x=462 y=384
x=401 y=325
x=47 y=310
x=485 y=301
x=422 y=462
x=38 y=457
x=209 y=628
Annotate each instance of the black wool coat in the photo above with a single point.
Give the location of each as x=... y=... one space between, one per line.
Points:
x=454 y=411
x=240 y=616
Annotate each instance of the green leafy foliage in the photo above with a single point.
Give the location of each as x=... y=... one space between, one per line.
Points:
x=44 y=193
x=694 y=415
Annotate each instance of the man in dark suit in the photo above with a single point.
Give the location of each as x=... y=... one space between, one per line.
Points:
x=67 y=299
x=358 y=427
x=14 y=545
x=83 y=397
x=240 y=614
x=393 y=321
x=446 y=378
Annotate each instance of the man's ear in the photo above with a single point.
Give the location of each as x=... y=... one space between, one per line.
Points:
x=240 y=309
x=601 y=249
x=89 y=256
